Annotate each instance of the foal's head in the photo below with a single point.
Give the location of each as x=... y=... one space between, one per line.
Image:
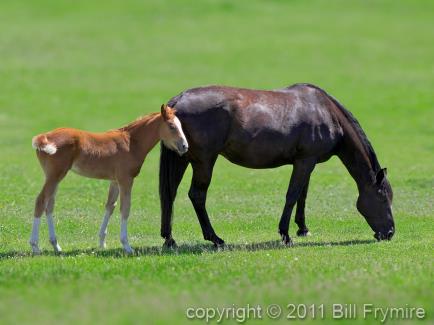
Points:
x=375 y=204
x=171 y=132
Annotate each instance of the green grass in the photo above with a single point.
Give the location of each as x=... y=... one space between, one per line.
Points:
x=97 y=65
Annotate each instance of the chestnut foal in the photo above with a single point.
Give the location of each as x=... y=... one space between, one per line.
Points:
x=115 y=155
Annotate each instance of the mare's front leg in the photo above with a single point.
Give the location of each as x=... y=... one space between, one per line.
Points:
x=125 y=186
x=300 y=214
x=299 y=178
x=202 y=173
x=109 y=208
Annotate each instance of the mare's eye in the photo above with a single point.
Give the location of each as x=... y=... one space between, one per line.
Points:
x=172 y=127
x=382 y=194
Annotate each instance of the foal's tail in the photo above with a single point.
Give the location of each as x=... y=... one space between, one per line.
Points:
x=41 y=143
x=172 y=168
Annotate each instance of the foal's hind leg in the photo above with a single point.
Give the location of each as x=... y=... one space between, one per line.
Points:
x=44 y=202
x=109 y=207
x=299 y=178
x=300 y=214
x=50 y=223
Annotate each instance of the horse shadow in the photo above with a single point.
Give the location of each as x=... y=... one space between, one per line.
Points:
x=184 y=249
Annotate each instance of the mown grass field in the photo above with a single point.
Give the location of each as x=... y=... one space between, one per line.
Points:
x=97 y=65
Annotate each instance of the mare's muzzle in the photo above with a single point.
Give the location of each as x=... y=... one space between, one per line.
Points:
x=388 y=236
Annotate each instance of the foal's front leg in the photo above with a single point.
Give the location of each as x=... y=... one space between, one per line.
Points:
x=125 y=190
x=109 y=207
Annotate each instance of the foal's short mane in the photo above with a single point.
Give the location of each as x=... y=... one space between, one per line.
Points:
x=357 y=128
x=138 y=122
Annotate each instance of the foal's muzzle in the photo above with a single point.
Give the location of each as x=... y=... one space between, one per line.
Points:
x=388 y=236
x=182 y=148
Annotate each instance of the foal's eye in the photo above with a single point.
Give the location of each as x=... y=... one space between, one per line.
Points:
x=172 y=127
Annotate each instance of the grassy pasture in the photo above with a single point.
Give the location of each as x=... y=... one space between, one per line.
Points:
x=97 y=65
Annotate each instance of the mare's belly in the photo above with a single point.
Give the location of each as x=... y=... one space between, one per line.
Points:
x=261 y=151
x=272 y=148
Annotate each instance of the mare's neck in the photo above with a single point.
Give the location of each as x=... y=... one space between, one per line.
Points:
x=356 y=159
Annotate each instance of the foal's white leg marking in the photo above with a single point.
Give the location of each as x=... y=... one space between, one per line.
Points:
x=49 y=213
x=109 y=207
x=124 y=236
x=103 y=229
x=125 y=190
x=52 y=234
x=34 y=239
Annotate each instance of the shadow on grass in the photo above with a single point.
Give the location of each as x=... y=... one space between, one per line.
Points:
x=186 y=249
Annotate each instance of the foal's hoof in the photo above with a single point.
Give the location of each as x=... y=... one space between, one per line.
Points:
x=287 y=241
x=170 y=244
x=35 y=249
x=56 y=246
x=303 y=232
x=36 y=252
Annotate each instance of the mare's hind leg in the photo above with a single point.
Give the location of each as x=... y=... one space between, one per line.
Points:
x=299 y=178
x=202 y=173
x=109 y=207
x=300 y=214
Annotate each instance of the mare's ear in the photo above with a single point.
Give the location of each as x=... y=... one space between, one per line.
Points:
x=164 y=112
x=381 y=175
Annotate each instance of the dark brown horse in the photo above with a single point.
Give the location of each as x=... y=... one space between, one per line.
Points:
x=300 y=125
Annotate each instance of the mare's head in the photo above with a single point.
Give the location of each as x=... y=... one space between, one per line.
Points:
x=171 y=132
x=375 y=204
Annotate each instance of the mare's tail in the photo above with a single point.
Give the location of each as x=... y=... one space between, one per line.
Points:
x=172 y=168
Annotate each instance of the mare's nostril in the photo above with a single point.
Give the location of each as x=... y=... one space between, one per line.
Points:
x=390 y=234
x=378 y=236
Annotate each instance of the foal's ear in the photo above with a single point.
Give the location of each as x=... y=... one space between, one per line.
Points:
x=381 y=175
x=164 y=112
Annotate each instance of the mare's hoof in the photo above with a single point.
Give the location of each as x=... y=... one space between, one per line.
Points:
x=170 y=244
x=219 y=245
x=217 y=241
x=303 y=232
x=287 y=241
